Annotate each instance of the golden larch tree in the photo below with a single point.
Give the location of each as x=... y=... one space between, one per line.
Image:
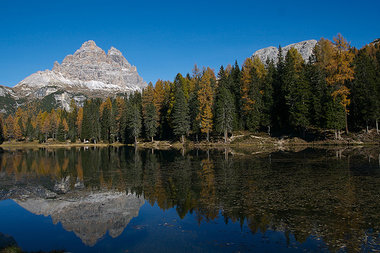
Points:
x=80 y=120
x=206 y=100
x=340 y=70
x=9 y=122
x=159 y=96
x=246 y=81
x=147 y=97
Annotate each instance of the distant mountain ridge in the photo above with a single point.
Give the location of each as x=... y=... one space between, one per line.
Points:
x=305 y=48
x=89 y=72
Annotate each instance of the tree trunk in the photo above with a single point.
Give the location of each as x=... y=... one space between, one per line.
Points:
x=269 y=130
x=152 y=139
x=196 y=137
x=336 y=135
x=346 y=124
x=367 y=127
x=339 y=136
x=225 y=135
x=208 y=136
x=377 y=126
x=135 y=141
x=182 y=139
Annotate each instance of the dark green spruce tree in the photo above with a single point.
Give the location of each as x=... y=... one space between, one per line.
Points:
x=60 y=132
x=1 y=131
x=151 y=121
x=297 y=91
x=267 y=96
x=106 y=125
x=235 y=86
x=134 y=120
x=280 y=111
x=180 y=116
x=224 y=106
x=72 y=118
x=364 y=99
x=316 y=76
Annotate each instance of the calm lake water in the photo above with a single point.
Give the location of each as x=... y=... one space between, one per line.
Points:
x=127 y=200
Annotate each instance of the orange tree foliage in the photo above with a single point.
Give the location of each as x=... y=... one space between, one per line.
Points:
x=80 y=120
x=246 y=81
x=206 y=100
x=147 y=97
x=339 y=70
x=159 y=96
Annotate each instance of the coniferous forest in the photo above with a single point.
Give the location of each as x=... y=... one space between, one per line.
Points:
x=337 y=89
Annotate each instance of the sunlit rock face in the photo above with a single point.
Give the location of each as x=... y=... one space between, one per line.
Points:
x=89 y=71
x=305 y=48
x=89 y=216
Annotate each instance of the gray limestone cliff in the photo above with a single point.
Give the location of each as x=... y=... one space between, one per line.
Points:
x=89 y=72
x=305 y=48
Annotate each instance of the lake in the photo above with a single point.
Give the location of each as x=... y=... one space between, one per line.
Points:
x=127 y=200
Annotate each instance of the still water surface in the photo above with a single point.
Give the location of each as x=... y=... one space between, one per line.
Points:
x=127 y=200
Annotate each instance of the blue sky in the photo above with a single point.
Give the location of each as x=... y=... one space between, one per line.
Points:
x=162 y=38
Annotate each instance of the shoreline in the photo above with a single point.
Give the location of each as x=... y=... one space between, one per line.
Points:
x=56 y=145
x=278 y=144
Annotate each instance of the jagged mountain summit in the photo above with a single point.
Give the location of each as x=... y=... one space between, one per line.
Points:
x=89 y=72
x=305 y=48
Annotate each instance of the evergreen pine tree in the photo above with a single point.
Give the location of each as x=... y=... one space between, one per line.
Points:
x=181 y=119
x=224 y=112
x=296 y=89
x=280 y=111
x=151 y=121
x=1 y=131
x=105 y=124
x=224 y=105
x=318 y=87
x=363 y=91
x=29 y=131
x=87 y=128
x=134 y=120
x=235 y=82
x=61 y=132
x=267 y=97
x=72 y=118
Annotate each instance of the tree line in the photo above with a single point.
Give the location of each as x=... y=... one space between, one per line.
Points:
x=336 y=89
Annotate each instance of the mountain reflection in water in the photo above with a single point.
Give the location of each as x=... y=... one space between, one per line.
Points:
x=332 y=195
x=90 y=216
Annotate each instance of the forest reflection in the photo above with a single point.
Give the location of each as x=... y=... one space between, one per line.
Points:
x=330 y=194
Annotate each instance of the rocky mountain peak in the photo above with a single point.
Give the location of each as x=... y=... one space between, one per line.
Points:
x=89 y=49
x=114 y=51
x=89 y=71
x=116 y=56
x=89 y=45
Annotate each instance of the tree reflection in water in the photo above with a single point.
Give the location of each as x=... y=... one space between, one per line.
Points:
x=332 y=194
